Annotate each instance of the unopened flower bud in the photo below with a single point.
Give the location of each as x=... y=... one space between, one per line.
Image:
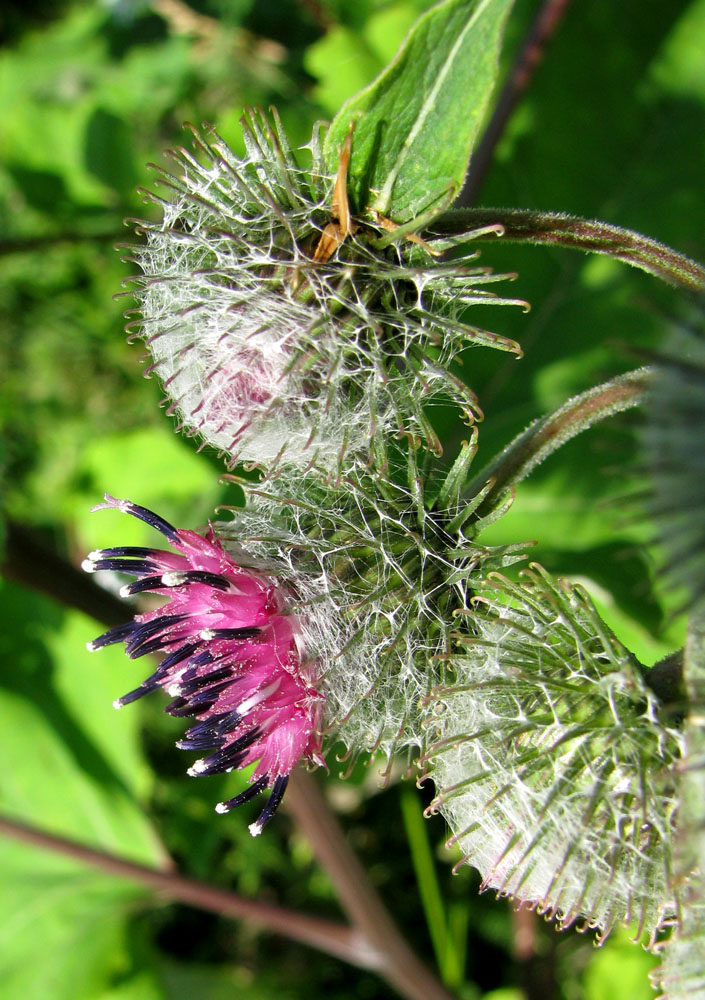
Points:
x=280 y=332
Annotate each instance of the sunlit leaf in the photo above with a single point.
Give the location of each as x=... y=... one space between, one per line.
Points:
x=67 y=762
x=416 y=124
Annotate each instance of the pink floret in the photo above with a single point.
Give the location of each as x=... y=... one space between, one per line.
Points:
x=233 y=656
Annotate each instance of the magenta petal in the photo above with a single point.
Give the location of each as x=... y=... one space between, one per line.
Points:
x=233 y=656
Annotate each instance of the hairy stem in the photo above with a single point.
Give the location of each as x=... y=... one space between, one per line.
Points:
x=530 y=54
x=335 y=939
x=547 y=434
x=373 y=943
x=558 y=229
x=399 y=963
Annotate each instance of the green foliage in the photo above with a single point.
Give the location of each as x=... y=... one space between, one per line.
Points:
x=620 y=963
x=64 y=734
x=80 y=918
x=409 y=155
x=89 y=92
x=69 y=766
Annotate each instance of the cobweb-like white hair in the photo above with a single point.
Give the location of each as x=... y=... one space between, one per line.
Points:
x=265 y=352
x=551 y=764
x=377 y=590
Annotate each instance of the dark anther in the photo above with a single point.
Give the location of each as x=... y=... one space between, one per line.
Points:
x=278 y=789
x=118 y=634
x=149 y=517
x=234 y=633
x=250 y=793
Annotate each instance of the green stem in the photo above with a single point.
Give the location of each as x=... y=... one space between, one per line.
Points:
x=547 y=434
x=557 y=229
x=426 y=880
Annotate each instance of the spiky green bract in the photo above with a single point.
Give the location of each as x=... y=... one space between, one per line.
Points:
x=681 y=975
x=551 y=763
x=265 y=352
x=380 y=575
x=674 y=437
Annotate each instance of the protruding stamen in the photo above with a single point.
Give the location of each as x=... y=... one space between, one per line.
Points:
x=119 y=551
x=135 y=567
x=181 y=708
x=198 y=683
x=140 y=586
x=183 y=653
x=278 y=789
x=127 y=699
x=205 y=657
x=139 y=644
x=148 y=516
x=216 y=725
x=229 y=757
x=249 y=632
x=207 y=742
x=202 y=700
x=249 y=793
x=150 y=684
x=178 y=579
x=121 y=633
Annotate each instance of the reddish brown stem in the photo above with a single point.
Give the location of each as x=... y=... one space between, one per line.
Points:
x=528 y=58
x=400 y=964
x=335 y=939
x=520 y=225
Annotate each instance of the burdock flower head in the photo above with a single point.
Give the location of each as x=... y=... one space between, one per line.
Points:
x=235 y=660
x=284 y=326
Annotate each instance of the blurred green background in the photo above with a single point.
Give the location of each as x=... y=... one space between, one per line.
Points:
x=613 y=126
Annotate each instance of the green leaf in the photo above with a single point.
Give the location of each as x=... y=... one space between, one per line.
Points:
x=108 y=151
x=76 y=917
x=409 y=153
x=68 y=762
x=71 y=765
x=619 y=962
